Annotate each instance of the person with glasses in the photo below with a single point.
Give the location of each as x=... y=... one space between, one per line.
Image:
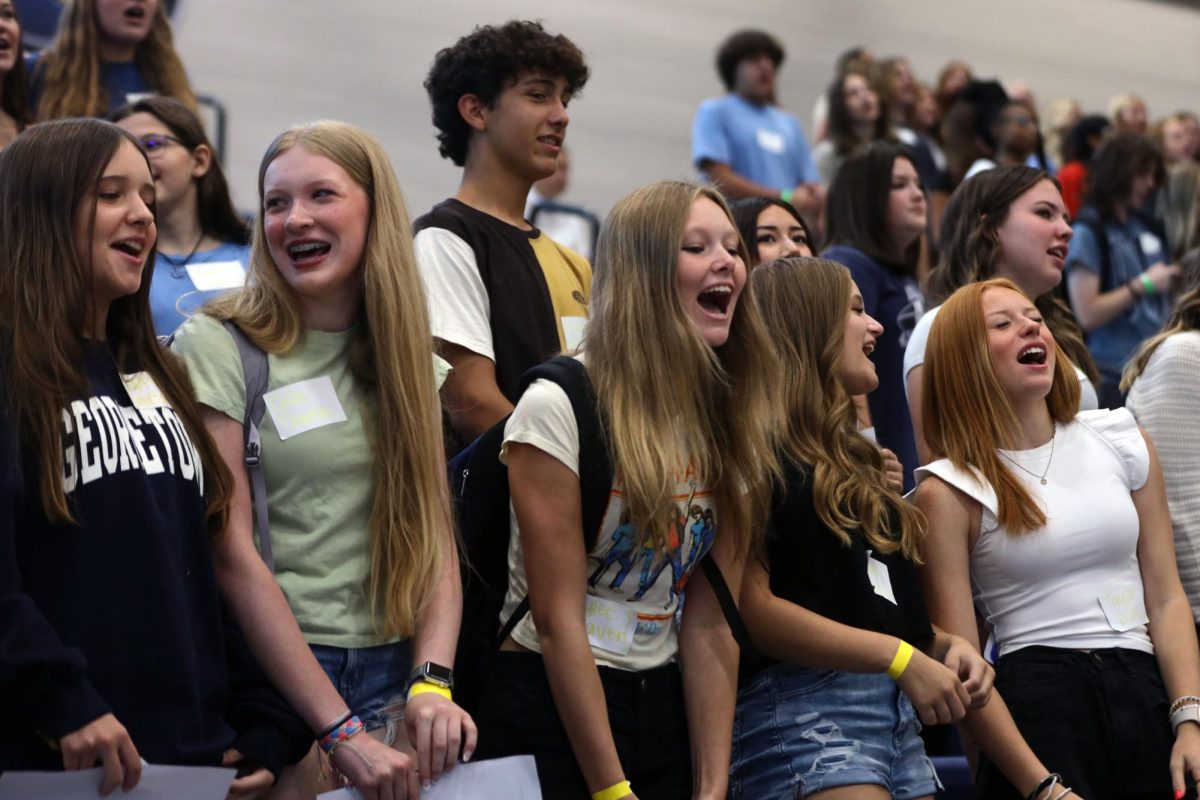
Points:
x=1014 y=136
x=202 y=241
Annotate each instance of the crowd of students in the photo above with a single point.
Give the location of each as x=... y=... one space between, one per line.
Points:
x=714 y=583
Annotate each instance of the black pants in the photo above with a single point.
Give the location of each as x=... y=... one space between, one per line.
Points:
x=1099 y=719
x=517 y=716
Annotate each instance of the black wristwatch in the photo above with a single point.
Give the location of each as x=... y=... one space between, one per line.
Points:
x=434 y=673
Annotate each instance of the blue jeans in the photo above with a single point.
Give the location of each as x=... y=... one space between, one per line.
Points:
x=800 y=731
x=372 y=681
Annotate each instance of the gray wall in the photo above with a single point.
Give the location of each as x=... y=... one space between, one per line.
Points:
x=279 y=62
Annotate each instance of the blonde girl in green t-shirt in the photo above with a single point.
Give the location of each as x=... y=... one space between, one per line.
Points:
x=332 y=256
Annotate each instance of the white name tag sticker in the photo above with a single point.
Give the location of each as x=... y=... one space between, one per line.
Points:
x=572 y=328
x=144 y=392
x=217 y=275
x=1150 y=243
x=881 y=581
x=1125 y=608
x=610 y=625
x=771 y=141
x=301 y=407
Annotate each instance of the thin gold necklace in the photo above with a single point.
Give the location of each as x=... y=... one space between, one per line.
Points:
x=1046 y=471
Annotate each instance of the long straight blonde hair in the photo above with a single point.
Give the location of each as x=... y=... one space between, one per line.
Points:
x=805 y=302
x=967 y=414
x=663 y=391
x=69 y=69
x=391 y=358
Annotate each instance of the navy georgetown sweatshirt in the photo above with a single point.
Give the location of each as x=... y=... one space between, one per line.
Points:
x=120 y=612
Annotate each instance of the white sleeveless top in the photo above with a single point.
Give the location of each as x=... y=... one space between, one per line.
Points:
x=1075 y=583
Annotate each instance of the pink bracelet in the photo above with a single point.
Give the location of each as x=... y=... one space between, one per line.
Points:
x=341 y=733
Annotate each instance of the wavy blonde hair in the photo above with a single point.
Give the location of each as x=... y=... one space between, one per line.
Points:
x=967 y=414
x=69 y=69
x=804 y=302
x=411 y=531
x=661 y=388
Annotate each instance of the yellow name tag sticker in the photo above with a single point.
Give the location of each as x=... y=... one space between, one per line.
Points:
x=881 y=580
x=1125 y=608
x=610 y=626
x=304 y=406
x=144 y=392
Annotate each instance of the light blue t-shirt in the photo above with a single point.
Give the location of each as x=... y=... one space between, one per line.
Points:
x=1132 y=247
x=761 y=143
x=174 y=295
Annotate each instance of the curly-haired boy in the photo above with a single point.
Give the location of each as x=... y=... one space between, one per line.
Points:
x=503 y=296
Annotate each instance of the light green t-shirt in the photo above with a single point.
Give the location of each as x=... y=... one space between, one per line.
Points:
x=319 y=482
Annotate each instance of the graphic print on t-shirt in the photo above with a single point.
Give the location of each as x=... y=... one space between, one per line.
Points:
x=624 y=569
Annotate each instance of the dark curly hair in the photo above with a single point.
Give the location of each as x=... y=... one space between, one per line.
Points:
x=743 y=45
x=488 y=61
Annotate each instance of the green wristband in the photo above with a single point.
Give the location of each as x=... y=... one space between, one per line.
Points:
x=786 y=195
x=1148 y=285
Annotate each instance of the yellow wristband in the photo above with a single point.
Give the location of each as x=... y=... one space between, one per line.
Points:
x=421 y=687
x=900 y=661
x=614 y=792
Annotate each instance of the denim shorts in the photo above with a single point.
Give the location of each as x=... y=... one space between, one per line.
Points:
x=800 y=731
x=372 y=681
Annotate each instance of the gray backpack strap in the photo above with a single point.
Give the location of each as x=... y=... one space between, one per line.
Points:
x=255 y=373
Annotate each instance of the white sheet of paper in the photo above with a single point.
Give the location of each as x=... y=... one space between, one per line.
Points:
x=304 y=406
x=217 y=275
x=1125 y=608
x=143 y=391
x=881 y=581
x=513 y=778
x=610 y=625
x=157 y=783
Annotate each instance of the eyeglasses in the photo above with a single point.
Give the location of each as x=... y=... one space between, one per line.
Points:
x=156 y=143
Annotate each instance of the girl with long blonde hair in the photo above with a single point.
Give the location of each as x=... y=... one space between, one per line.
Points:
x=365 y=569
x=598 y=682
x=833 y=594
x=1052 y=526
x=103 y=52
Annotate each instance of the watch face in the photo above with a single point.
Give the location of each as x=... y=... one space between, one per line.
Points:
x=435 y=673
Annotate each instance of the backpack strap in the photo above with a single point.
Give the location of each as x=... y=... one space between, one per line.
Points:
x=595 y=465
x=729 y=608
x=255 y=374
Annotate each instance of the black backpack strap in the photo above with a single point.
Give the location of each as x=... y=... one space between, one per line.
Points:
x=595 y=465
x=729 y=608
x=255 y=374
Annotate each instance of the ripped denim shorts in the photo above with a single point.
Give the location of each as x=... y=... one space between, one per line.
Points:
x=801 y=731
x=372 y=680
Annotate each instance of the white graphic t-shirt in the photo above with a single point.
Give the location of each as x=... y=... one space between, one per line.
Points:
x=633 y=592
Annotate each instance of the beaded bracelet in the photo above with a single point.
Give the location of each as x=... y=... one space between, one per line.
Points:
x=341 y=733
x=1186 y=700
